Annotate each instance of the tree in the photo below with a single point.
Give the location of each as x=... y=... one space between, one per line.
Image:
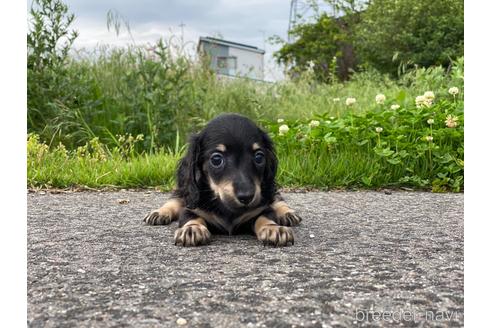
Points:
x=316 y=46
x=419 y=32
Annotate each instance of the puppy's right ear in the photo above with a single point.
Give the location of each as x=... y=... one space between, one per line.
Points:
x=189 y=173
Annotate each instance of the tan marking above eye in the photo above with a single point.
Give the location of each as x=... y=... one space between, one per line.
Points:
x=221 y=147
x=256 y=146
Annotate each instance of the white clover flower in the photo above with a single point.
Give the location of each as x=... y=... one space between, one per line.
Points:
x=379 y=129
x=451 y=121
x=429 y=95
x=283 y=129
x=350 y=101
x=336 y=99
x=419 y=100
x=380 y=99
x=430 y=121
x=280 y=120
x=395 y=107
x=453 y=91
x=429 y=138
x=328 y=122
x=313 y=124
x=422 y=101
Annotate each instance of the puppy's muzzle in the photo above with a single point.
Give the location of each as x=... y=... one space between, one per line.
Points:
x=245 y=196
x=246 y=191
x=238 y=194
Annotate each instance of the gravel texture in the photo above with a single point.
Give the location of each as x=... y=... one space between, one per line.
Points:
x=360 y=259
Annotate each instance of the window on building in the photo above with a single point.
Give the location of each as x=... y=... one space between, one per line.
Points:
x=227 y=62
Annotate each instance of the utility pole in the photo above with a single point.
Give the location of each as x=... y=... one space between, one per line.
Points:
x=301 y=9
x=182 y=25
x=292 y=19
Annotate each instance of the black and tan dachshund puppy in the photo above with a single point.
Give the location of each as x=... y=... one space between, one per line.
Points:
x=226 y=184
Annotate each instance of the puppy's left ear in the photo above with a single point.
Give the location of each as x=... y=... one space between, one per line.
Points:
x=269 y=187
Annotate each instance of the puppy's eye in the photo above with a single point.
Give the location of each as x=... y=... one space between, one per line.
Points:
x=259 y=157
x=217 y=160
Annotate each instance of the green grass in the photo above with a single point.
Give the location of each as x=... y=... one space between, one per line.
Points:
x=58 y=168
x=93 y=166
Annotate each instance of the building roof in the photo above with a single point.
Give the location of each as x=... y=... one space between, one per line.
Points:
x=231 y=44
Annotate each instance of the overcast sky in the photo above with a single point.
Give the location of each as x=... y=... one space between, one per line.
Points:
x=245 y=21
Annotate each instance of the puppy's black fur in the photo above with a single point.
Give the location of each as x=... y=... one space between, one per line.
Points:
x=226 y=184
x=238 y=135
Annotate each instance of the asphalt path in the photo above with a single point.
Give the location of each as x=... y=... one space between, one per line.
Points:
x=365 y=259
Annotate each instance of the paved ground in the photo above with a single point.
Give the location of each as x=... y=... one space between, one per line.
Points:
x=360 y=259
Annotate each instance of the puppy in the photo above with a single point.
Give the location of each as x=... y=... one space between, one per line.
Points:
x=226 y=184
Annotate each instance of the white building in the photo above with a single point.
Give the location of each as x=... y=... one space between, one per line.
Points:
x=232 y=58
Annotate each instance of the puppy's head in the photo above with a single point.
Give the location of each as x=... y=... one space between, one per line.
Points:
x=232 y=158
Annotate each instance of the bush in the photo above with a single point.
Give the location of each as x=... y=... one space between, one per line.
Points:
x=413 y=32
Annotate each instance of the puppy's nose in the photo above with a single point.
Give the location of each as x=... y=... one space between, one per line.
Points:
x=245 y=197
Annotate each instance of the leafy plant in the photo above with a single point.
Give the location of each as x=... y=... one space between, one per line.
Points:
x=48 y=43
x=418 y=145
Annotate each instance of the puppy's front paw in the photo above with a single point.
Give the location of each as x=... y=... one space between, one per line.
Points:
x=276 y=235
x=285 y=215
x=289 y=219
x=192 y=235
x=158 y=217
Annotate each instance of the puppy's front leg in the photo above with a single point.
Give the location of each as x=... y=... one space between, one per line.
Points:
x=270 y=233
x=168 y=213
x=284 y=215
x=192 y=230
